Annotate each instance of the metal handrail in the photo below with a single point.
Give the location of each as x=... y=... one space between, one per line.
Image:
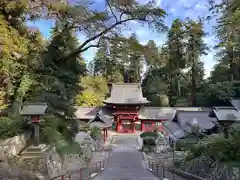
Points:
x=164 y=171
x=93 y=168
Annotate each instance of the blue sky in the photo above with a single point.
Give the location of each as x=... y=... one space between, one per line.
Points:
x=175 y=9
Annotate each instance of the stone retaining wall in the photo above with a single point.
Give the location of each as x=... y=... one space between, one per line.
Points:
x=12 y=146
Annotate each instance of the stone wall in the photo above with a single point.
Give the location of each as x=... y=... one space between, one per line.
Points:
x=9 y=149
x=49 y=165
x=12 y=146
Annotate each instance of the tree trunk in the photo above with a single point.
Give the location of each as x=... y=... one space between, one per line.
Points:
x=194 y=92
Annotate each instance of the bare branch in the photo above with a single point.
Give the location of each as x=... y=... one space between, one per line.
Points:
x=93 y=45
x=110 y=7
x=81 y=48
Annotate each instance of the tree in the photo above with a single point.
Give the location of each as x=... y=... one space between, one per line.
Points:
x=95 y=90
x=227 y=31
x=176 y=59
x=195 y=48
x=98 y=25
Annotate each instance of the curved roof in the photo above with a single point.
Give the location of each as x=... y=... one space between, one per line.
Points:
x=126 y=93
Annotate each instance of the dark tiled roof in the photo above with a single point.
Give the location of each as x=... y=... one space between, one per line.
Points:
x=103 y=118
x=187 y=119
x=157 y=113
x=101 y=122
x=91 y=112
x=225 y=113
x=193 y=109
x=174 y=130
x=86 y=112
x=235 y=103
x=126 y=93
x=34 y=109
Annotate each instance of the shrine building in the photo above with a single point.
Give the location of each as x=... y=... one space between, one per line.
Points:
x=126 y=111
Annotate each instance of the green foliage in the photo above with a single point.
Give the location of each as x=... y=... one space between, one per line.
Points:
x=11 y=126
x=186 y=144
x=54 y=131
x=95 y=133
x=94 y=91
x=218 y=147
x=149 y=141
x=153 y=135
x=119 y=60
x=85 y=127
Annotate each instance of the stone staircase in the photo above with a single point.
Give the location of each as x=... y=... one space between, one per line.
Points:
x=34 y=151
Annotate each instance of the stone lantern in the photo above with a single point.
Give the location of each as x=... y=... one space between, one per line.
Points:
x=35 y=111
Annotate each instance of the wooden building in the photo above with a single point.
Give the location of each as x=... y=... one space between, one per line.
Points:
x=152 y=118
x=126 y=110
x=184 y=122
x=126 y=100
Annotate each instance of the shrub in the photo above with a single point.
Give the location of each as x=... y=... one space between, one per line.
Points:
x=149 y=134
x=57 y=132
x=12 y=126
x=149 y=141
x=95 y=133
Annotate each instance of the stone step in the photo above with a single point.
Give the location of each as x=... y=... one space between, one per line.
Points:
x=29 y=153
x=30 y=157
x=41 y=147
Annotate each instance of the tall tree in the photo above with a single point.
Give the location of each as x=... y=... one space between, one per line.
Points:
x=134 y=60
x=194 y=49
x=176 y=59
x=227 y=30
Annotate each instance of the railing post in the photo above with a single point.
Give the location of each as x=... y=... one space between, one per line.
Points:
x=81 y=174
x=62 y=178
x=69 y=177
x=157 y=169
x=163 y=169
x=100 y=165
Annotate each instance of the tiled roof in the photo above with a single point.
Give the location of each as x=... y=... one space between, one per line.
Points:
x=157 y=113
x=34 y=109
x=103 y=119
x=126 y=93
x=225 y=113
x=200 y=118
x=235 y=103
x=193 y=109
x=91 y=112
x=174 y=130
x=86 y=112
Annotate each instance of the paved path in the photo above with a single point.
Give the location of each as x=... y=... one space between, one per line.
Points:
x=125 y=161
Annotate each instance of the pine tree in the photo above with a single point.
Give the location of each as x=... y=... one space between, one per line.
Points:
x=195 y=47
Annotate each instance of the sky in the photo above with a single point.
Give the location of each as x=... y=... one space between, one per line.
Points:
x=175 y=9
